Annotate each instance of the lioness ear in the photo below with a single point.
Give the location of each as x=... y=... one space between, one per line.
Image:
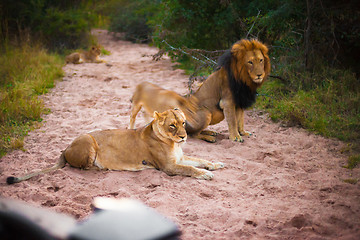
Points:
x=156 y=115
x=180 y=112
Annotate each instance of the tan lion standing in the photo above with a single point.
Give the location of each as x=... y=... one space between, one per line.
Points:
x=154 y=98
x=225 y=94
x=156 y=145
x=91 y=56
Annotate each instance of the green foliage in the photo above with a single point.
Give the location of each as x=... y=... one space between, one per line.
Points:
x=351 y=181
x=25 y=73
x=353 y=161
x=66 y=29
x=197 y=24
x=57 y=24
x=105 y=52
x=130 y=17
x=326 y=102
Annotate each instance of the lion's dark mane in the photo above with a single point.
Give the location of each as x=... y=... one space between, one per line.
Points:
x=241 y=93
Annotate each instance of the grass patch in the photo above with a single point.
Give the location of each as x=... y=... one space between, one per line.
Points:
x=353 y=161
x=326 y=103
x=351 y=181
x=25 y=73
x=105 y=52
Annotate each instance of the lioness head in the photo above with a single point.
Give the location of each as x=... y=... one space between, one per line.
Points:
x=95 y=51
x=250 y=62
x=171 y=125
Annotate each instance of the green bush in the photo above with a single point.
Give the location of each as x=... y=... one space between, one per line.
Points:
x=57 y=24
x=131 y=17
x=197 y=24
x=66 y=29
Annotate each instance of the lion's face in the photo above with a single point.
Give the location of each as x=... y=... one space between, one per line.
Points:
x=254 y=63
x=95 y=51
x=251 y=62
x=171 y=125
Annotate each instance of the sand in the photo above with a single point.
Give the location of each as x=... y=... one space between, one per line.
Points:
x=281 y=183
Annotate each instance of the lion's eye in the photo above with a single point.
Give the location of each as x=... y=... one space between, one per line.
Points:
x=183 y=123
x=261 y=60
x=172 y=126
x=250 y=62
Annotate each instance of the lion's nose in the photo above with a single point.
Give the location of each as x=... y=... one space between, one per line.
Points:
x=259 y=75
x=182 y=137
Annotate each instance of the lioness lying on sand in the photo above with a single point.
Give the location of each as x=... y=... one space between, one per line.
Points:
x=91 y=56
x=156 y=145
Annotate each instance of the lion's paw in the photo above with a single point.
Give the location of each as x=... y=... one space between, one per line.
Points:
x=237 y=138
x=205 y=175
x=208 y=138
x=214 y=166
x=245 y=133
x=219 y=165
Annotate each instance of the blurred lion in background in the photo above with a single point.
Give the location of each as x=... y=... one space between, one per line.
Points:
x=91 y=56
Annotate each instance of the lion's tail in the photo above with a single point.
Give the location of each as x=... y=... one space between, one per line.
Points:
x=60 y=164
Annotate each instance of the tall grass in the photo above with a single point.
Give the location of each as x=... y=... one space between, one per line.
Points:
x=325 y=101
x=25 y=73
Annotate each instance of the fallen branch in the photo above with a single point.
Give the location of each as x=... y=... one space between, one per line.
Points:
x=278 y=77
x=257 y=16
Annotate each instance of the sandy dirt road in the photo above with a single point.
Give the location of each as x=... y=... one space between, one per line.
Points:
x=281 y=183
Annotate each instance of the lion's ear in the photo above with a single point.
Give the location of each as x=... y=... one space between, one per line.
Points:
x=239 y=48
x=159 y=117
x=156 y=115
x=180 y=112
x=236 y=50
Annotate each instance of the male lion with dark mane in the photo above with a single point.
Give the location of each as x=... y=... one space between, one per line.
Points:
x=226 y=93
x=230 y=90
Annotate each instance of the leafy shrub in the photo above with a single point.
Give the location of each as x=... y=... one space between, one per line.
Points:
x=66 y=29
x=57 y=24
x=131 y=17
x=197 y=24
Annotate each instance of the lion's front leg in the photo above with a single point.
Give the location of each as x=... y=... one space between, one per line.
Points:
x=185 y=170
x=201 y=163
x=240 y=119
x=231 y=119
x=98 y=60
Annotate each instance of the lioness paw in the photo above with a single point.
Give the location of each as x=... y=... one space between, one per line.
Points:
x=207 y=138
x=236 y=138
x=214 y=166
x=205 y=175
x=245 y=133
x=219 y=165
